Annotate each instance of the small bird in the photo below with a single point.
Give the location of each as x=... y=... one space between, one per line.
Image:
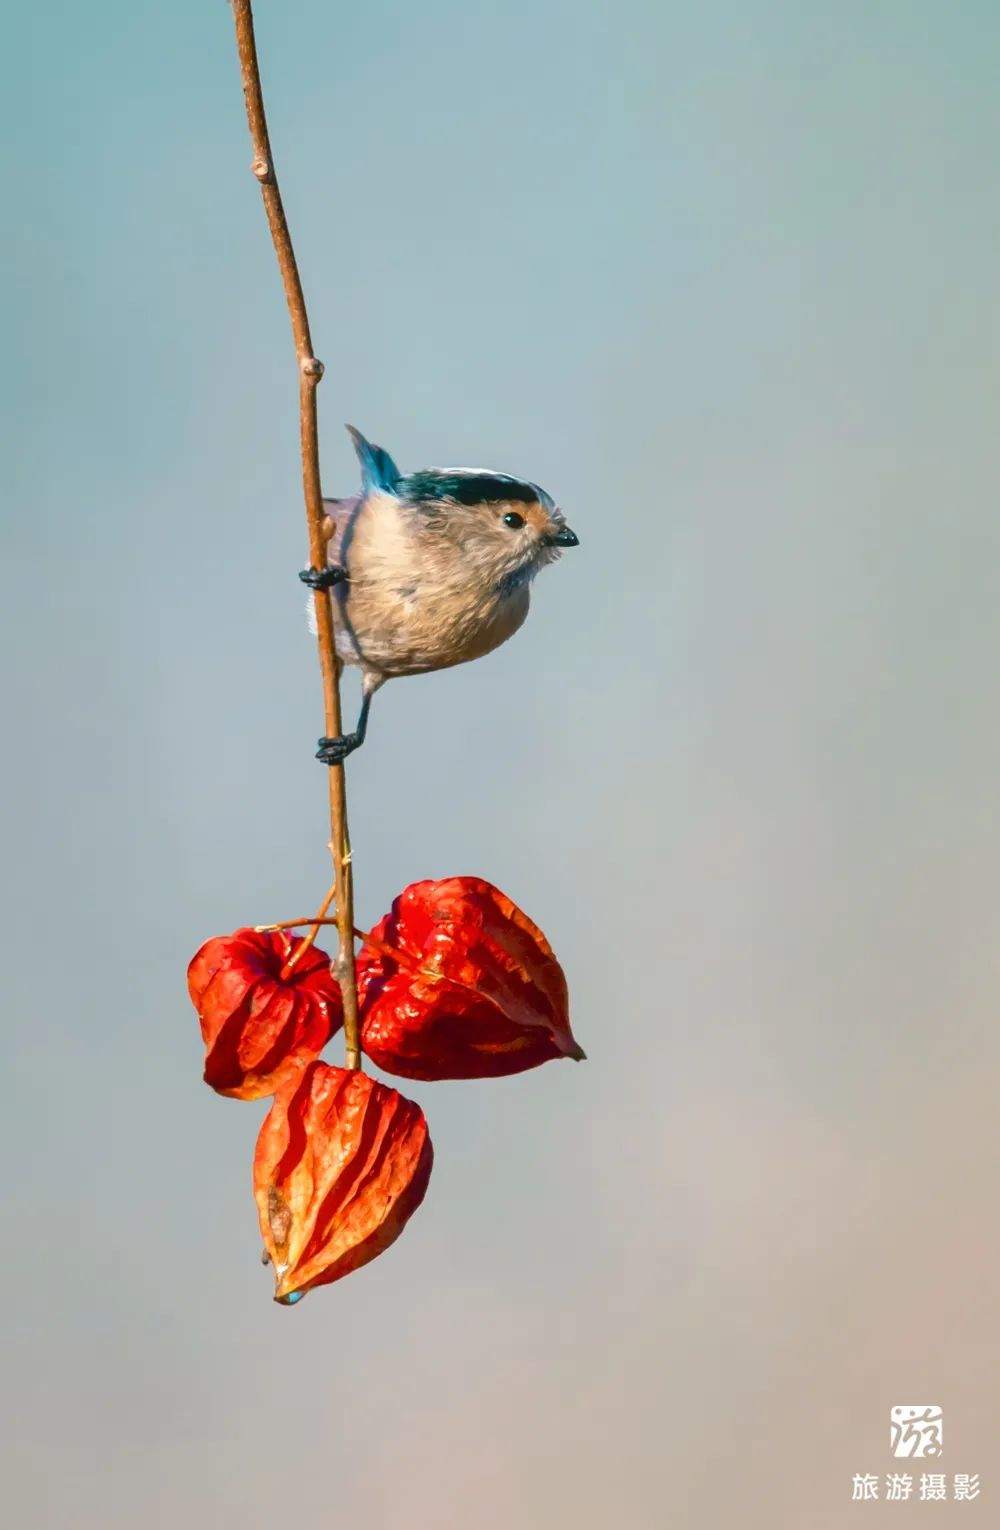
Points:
x=429 y=569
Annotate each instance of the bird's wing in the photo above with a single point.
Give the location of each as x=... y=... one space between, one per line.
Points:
x=341 y=513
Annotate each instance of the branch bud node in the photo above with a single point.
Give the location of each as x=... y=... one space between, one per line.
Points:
x=263 y=170
x=311 y=367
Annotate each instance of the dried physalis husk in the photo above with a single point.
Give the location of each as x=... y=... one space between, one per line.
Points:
x=263 y=1009
x=457 y=982
x=342 y=1162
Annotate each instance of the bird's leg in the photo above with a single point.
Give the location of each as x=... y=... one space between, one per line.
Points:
x=323 y=578
x=333 y=750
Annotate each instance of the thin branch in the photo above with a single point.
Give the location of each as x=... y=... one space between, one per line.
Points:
x=310 y=372
x=304 y=944
x=367 y=936
x=294 y=924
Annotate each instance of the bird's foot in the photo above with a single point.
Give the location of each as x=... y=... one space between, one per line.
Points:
x=323 y=578
x=333 y=751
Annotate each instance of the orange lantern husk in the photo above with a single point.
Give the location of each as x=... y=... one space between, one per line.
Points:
x=457 y=982
x=264 y=1010
x=342 y=1162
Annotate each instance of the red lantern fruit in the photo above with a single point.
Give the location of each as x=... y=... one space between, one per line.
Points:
x=457 y=982
x=259 y=1015
x=342 y=1162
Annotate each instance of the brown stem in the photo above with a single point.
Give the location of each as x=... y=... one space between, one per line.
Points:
x=296 y=924
x=307 y=941
x=366 y=936
x=401 y=959
x=310 y=372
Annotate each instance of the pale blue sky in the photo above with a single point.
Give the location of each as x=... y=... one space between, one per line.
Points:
x=723 y=279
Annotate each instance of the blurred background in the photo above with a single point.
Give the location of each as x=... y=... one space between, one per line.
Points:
x=723 y=278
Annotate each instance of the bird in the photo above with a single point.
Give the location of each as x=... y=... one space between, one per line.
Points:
x=429 y=569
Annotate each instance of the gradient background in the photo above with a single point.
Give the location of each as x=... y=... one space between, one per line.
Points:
x=723 y=278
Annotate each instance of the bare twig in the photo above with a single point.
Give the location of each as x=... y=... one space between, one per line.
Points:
x=294 y=924
x=368 y=936
x=310 y=372
x=316 y=921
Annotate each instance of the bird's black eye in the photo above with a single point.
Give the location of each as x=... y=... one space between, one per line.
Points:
x=514 y=519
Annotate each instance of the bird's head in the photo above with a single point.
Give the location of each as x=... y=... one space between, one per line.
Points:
x=506 y=528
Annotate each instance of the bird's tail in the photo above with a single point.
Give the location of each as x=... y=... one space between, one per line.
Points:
x=378 y=471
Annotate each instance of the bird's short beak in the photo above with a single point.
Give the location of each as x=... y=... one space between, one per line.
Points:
x=562 y=538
